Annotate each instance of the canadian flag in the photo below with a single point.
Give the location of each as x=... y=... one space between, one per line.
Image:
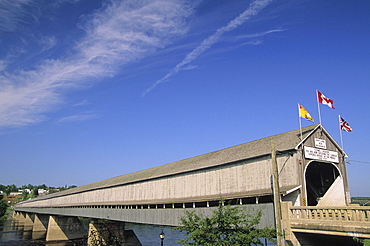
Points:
x=324 y=100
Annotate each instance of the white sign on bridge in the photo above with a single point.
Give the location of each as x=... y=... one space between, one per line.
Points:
x=320 y=143
x=321 y=154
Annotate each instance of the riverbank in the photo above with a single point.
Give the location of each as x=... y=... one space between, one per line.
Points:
x=8 y=214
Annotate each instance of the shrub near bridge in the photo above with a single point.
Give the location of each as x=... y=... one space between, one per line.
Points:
x=229 y=225
x=3 y=208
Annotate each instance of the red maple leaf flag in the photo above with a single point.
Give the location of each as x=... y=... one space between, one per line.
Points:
x=344 y=125
x=324 y=100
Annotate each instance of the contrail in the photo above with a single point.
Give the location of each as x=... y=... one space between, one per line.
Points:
x=254 y=8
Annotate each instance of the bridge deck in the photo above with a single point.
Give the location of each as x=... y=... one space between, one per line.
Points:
x=351 y=221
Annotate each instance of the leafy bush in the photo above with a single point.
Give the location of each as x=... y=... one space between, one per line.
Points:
x=3 y=207
x=229 y=225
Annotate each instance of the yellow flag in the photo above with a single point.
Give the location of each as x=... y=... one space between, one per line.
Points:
x=304 y=113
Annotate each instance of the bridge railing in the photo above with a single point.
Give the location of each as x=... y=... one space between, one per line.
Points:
x=353 y=221
x=356 y=213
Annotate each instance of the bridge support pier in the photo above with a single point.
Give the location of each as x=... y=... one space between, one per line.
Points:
x=40 y=226
x=18 y=220
x=64 y=228
x=28 y=225
x=23 y=221
x=106 y=233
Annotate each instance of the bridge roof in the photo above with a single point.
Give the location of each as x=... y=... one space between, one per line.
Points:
x=257 y=148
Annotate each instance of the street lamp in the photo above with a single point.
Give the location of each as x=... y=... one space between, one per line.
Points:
x=162 y=237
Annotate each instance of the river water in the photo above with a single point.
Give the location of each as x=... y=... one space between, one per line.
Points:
x=148 y=235
x=11 y=235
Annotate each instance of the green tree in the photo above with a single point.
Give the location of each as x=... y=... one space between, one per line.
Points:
x=2 y=187
x=51 y=191
x=43 y=186
x=10 y=188
x=34 y=193
x=365 y=242
x=25 y=195
x=3 y=207
x=229 y=225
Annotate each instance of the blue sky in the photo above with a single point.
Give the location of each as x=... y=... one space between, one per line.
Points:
x=91 y=90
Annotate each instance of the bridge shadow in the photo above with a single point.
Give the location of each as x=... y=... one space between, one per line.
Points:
x=309 y=239
x=131 y=238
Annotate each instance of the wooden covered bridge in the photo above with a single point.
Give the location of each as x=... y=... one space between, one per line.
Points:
x=311 y=195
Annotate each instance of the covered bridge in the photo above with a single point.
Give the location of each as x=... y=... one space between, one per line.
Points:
x=311 y=167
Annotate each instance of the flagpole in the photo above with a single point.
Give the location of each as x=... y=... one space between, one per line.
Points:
x=340 y=132
x=318 y=105
x=300 y=121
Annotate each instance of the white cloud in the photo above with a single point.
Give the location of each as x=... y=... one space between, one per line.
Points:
x=3 y=65
x=79 y=117
x=48 y=42
x=82 y=103
x=260 y=34
x=254 y=8
x=123 y=32
x=12 y=13
x=254 y=42
x=253 y=39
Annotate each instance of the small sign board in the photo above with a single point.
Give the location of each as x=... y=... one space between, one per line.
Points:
x=320 y=143
x=321 y=154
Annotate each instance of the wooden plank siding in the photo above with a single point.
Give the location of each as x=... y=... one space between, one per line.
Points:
x=215 y=182
x=241 y=171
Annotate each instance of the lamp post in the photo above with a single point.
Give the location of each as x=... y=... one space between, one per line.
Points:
x=162 y=237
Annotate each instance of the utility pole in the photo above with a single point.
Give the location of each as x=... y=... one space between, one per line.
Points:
x=276 y=191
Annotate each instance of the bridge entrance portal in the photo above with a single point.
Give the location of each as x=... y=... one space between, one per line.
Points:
x=319 y=178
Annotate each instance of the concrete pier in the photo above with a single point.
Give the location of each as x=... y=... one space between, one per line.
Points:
x=28 y=225
x=40 y=226
x=106 y=233
x=64 y=228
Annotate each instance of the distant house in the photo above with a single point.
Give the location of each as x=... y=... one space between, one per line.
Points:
x=15 y=193
x=42 y=192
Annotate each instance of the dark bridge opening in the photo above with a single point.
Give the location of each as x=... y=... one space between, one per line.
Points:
x=319 y=177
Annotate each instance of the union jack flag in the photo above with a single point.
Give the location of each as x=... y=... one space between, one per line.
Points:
x=344 y=125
